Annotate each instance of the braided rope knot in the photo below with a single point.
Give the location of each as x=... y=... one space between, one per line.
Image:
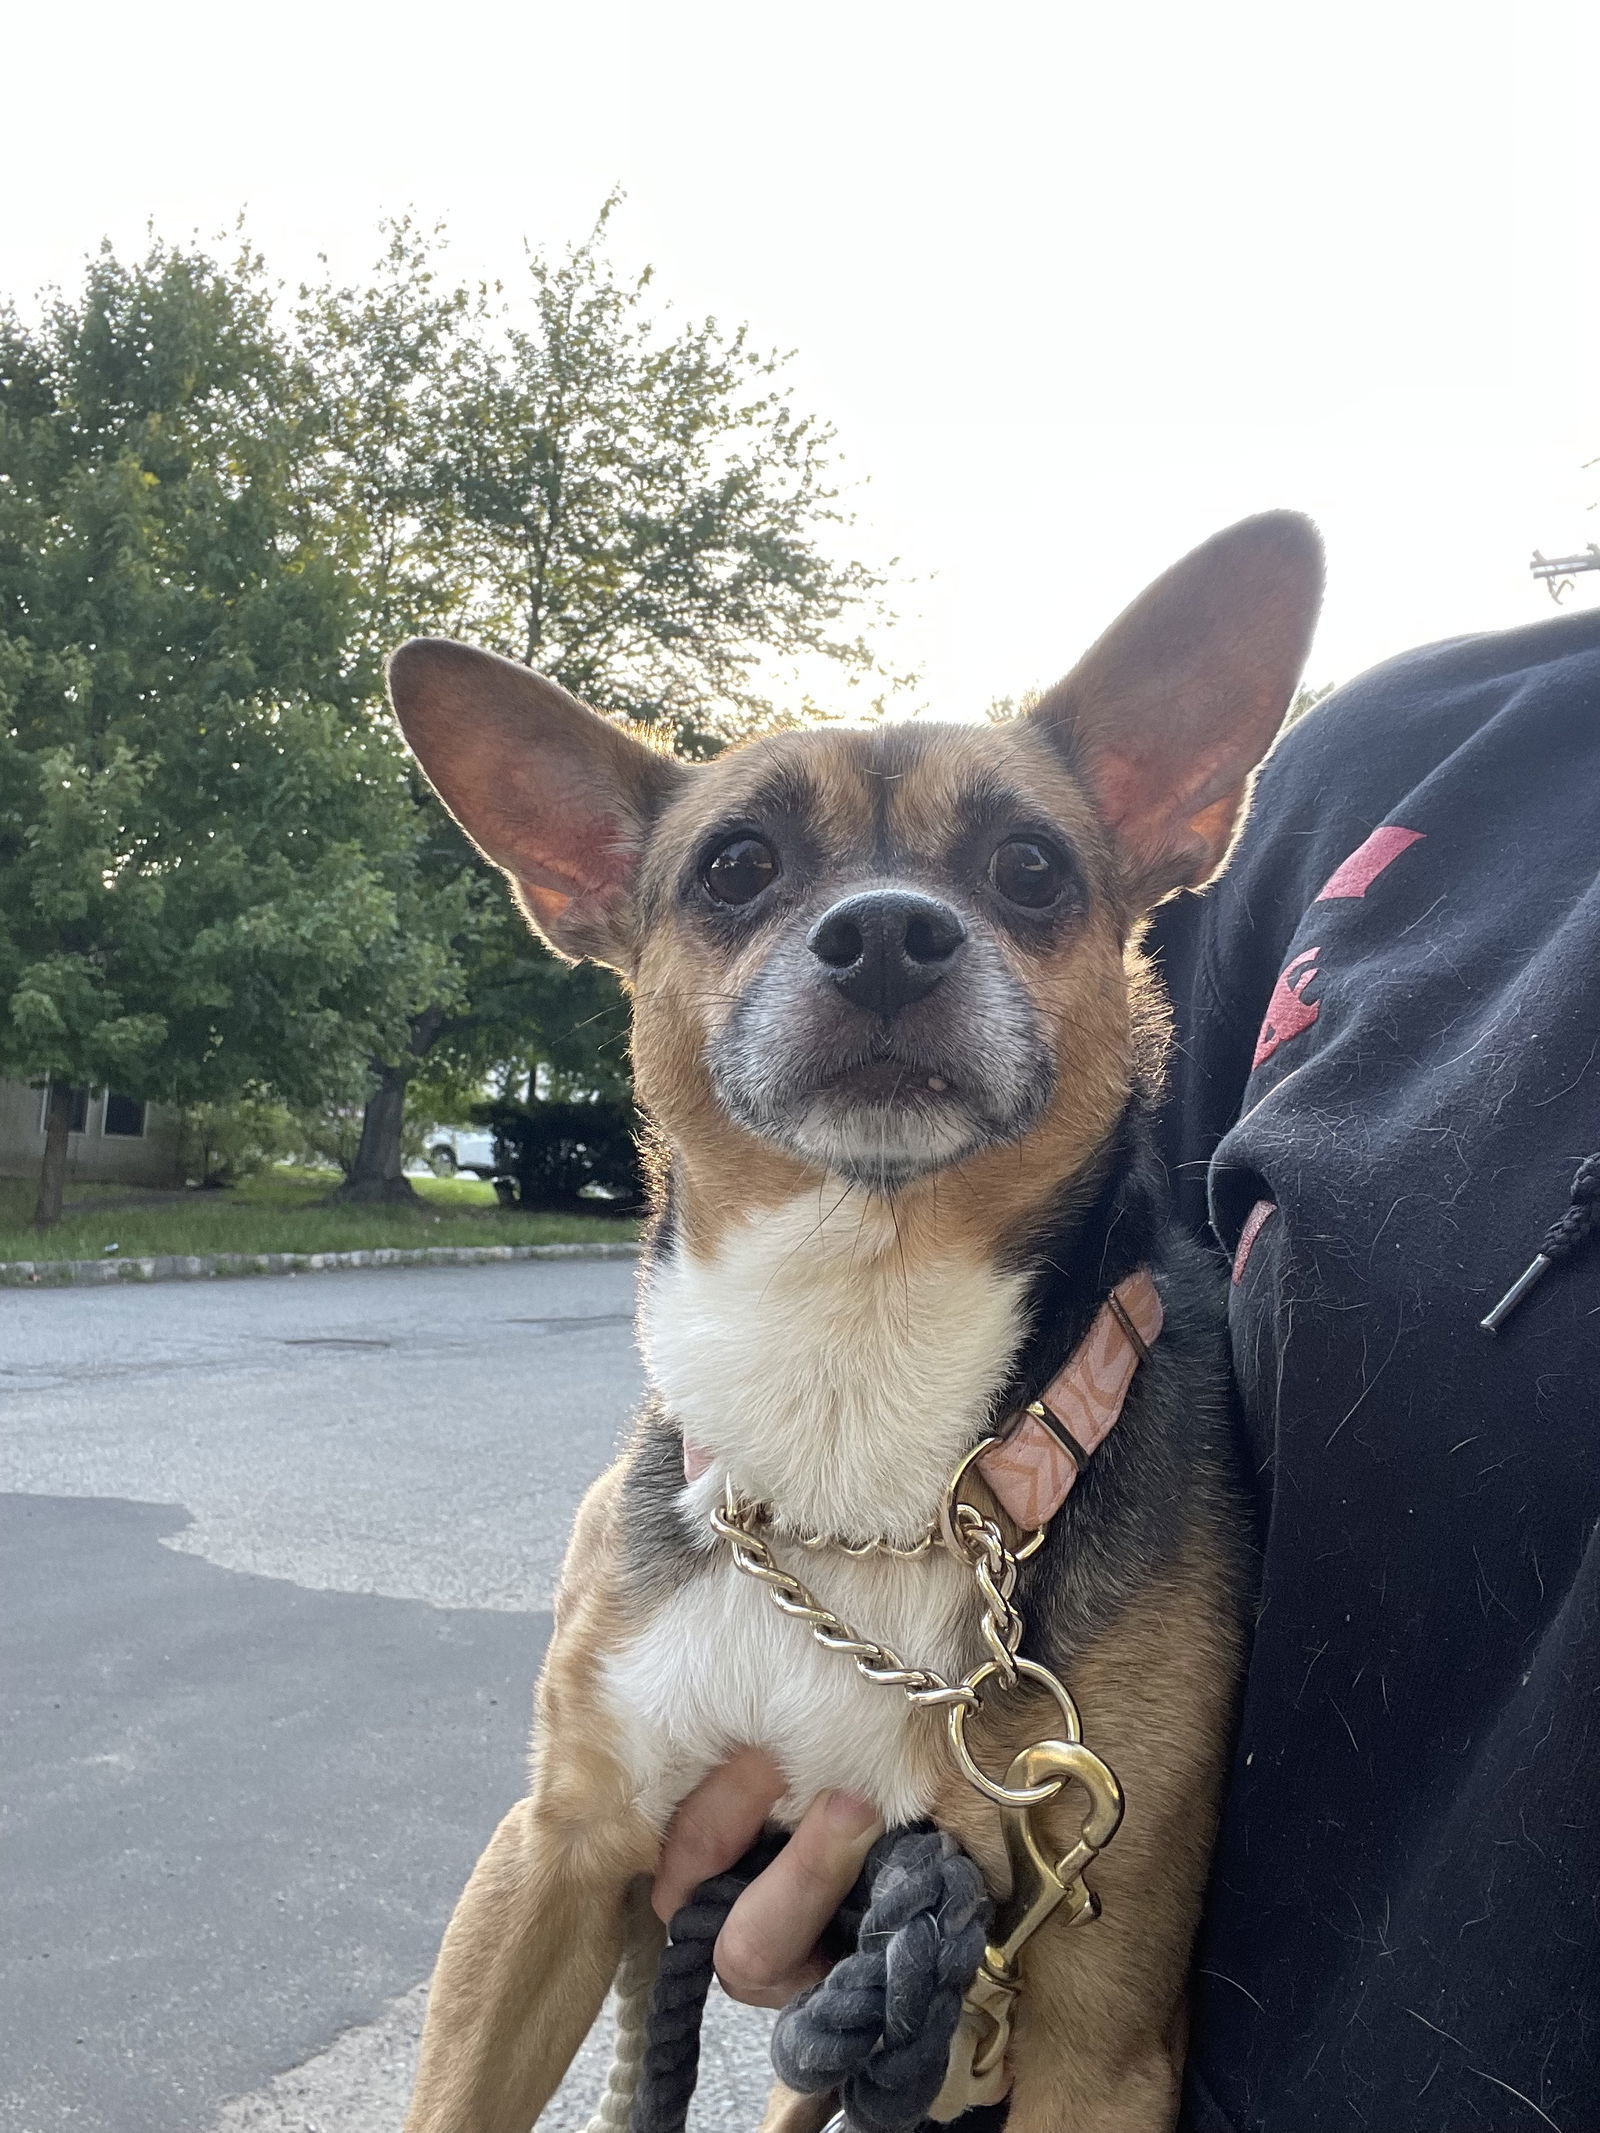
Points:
x=1569 y=1230
x=880 y=2024
x=878 y=2027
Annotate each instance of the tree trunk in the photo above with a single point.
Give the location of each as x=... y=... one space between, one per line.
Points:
x=377 y=1175
x=53 y=1170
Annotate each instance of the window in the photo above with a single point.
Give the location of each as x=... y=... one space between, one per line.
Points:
x=79 y=1121
x=124 y=1116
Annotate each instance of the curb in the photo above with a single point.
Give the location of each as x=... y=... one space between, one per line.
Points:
x=95 y=1273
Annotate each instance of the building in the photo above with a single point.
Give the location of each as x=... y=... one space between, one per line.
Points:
x=115 y=1139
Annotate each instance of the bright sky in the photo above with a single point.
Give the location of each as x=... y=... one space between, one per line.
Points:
x=1078 y=282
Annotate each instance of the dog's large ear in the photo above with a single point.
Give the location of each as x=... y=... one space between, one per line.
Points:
x=1168 y=714
x=558 y=798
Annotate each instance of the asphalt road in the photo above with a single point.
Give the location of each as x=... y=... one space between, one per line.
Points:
x=278 y=1560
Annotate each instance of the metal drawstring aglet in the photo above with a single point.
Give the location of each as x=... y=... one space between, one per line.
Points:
x=1514 y=1295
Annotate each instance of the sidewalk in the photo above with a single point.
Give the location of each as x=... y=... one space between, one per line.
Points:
x=92 y=1273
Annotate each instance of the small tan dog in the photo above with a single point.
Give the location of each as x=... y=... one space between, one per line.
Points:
x=895 y=1036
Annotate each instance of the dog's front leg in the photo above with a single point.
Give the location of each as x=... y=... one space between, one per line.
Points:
x=535 y=1940
x=526 y=1963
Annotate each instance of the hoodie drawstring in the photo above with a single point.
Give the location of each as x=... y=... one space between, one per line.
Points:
x=1562 y=1240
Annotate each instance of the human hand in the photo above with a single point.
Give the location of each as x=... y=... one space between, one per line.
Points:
x=766 y=1951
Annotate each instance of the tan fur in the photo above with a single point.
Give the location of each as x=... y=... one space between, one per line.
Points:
x=684 y=991
x=535 y=1940
x=1098 y=2044
x=1140 y=761
x=1101 y=2023
x=1101 y=2026
x=789 y=2112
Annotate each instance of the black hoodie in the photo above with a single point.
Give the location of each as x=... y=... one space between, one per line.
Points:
x=1388 y=1075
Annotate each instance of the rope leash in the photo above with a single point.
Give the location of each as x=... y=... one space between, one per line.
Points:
x=631 y=1990
x=878 y=2027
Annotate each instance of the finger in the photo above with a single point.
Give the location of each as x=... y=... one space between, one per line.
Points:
x=715 y=1825
x=766 y=1950
x=779 y=1993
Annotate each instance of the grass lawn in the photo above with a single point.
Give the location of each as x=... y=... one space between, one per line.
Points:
x=280 y=1212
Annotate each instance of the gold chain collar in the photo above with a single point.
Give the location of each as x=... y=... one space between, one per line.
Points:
x=1040 y=1883
x=973 y=1536
x=937 y=1530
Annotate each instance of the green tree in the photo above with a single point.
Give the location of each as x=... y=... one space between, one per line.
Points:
x=198 y=848
x=220 y=877
x=635 y=508
x=646 y=514
x=381 y=377
x=1306 y=698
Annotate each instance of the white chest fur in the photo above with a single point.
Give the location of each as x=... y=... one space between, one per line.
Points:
x=838 y=1383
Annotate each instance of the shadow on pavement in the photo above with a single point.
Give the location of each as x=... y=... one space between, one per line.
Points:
x=238 y=1811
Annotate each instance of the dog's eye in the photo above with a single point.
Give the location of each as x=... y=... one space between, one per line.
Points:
x=1027 y=873
x=740 y=870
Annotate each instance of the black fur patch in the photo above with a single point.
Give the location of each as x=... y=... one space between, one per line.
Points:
x=1169 y=1464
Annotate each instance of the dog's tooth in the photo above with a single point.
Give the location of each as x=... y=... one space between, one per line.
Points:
x=938 y=1087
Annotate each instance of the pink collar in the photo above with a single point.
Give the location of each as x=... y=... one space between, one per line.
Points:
x=1033 y=1468
x=1031 y=1471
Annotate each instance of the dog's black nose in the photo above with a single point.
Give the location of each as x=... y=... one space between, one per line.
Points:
x=887 y=947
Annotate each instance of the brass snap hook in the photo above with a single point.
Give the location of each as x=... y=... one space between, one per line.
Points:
x=1040 y=1884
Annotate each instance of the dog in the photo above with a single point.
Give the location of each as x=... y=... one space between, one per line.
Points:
x=899 y=1048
